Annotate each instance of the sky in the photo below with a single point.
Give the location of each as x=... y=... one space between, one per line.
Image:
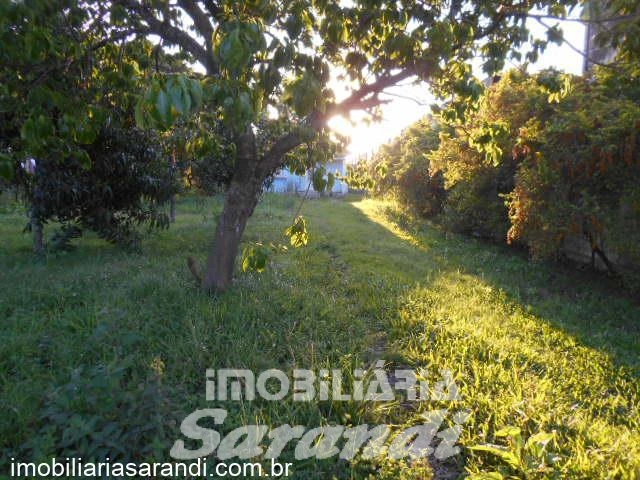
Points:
x=402 y=112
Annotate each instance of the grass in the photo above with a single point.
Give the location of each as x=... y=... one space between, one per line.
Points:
x=100 y=343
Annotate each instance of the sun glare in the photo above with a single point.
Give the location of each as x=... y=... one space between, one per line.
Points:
x=407 y=104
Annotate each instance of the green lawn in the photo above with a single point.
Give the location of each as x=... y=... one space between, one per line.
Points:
x=104 y=352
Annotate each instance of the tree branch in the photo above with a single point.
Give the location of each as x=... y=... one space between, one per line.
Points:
x=406 y=97
x=596 y=21
x=272 y=159
x=121 y=35
x=213 y=9
x=577 y=50
x=358 y=99
x=200 y=20
x=172 y=35
x=365 y=97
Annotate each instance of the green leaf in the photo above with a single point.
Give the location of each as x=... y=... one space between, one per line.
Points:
x=195 y=91
x=537 y=444
x=297 y=233
x=233 y=53
x=486 y=476
x=318 y=180
x=36 y=130
x=162 y=107
x=176 y=96
x=139 y=114
x=254 y=257
x=303 y=93
x=555 y=35
x=501 y=452
x=85 y=134
x=331 y=181
x=84 y=159
x=508 y=431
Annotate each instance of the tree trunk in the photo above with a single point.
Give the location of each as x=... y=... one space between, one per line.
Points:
x=172 y=209
x=38 y=236
x=239 y=203
x=241 y=198
x=249 y=176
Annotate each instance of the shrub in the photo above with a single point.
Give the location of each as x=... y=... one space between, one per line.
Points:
x=401 y=170
x=542 y=160
x=124 y=187
x=476 y=158
x=422 y=192
x=580 y=176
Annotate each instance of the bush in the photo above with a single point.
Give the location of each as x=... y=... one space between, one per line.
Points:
x=422 y=192
x=543 y=159
x=402 y=170
x=476 y=158
x=580 y=176
x=125 y=187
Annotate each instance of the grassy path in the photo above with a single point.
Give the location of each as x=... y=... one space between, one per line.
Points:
x=529 y=346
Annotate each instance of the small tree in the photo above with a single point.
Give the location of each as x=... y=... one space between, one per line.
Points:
x=68 y=139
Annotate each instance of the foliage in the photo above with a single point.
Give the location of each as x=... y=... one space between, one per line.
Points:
x=476 y=157
x=528 y=460
x=423 y=191
x=297 y=232
x=622 y=34
x=103 y=413
x=43 y=104
x=67 y=101
x=579 y=175
x=401 y=170
x=360 y=175
x=166 y=99
x=458 y=172
x=322 y=180
x=256 y=255
x=541 y=160
x=254 y=258
x=202 y=151
x=123 y=188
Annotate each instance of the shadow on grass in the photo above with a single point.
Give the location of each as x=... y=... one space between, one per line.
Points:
x=586 y=308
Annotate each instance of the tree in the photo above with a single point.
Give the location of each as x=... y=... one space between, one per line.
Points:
x=68 y=140
x=282 y=54
x=272 y=58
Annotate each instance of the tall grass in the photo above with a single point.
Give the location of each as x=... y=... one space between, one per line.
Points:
x=530 y=346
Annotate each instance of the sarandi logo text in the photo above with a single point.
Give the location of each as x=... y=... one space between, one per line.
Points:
x=370 y=441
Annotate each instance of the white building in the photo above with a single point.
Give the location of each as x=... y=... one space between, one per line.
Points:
x=287 y=182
